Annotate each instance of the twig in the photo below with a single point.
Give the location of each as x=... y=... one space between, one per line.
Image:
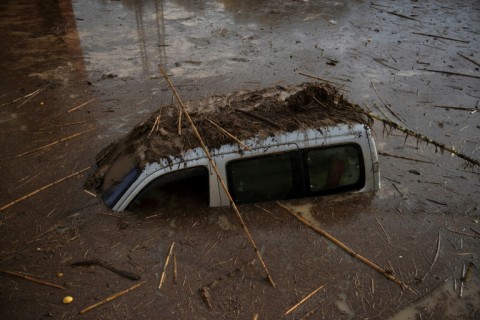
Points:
x=162 y=277
x=385 y=273
x=462 y=282
x=8 y=205
x=434 y=259
x=228 y=134
x=463 y=233
x=439 y=37
x=54 y=143
x=455 y=108
x=469 y=59
x=453 y=73
x=405 y=158
x=384 y=232
x=391 y=12
x=256 y=116
x=418 y=136
x=219 y=177
x=302 y=301
x=384 y=64
x=180 y=122
x=386 y=104
x=113 y=297
x=81 y=105
x=318 y=78
x=19 y=275
x=174 y=268
x=31 y=94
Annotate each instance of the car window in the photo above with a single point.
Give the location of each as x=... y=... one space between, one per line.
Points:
x=334 y=168
x=265 y=178
x=171 y=191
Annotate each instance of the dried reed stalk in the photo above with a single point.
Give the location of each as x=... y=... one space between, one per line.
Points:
x=19 y=275
x=217 y=172
x=113 y=297
x=385 y=273
x=302 y=301
x=228 y=134
x=8 y=205
x=167 y=260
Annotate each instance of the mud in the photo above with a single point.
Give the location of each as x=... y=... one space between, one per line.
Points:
x=247 y=114
x=56 y=55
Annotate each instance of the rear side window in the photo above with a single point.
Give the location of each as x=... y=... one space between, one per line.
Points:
x=265 y=178
x=334 y=169
x=296 y=174
x=180 y=189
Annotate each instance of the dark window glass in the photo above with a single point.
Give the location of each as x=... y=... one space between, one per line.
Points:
x=272 y=177
x=335 y=169
x=180 y=189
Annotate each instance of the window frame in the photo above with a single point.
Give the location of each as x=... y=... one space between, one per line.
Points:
x=299 y=161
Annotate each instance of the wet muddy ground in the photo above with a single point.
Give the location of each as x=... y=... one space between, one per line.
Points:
x=78 y=75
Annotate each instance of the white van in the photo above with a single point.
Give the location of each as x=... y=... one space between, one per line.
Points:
x=291 y=165
x=277 y=164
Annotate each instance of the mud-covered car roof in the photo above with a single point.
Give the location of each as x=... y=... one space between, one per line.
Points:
x=244 y=114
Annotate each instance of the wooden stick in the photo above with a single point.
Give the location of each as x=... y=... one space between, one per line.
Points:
x=318 y=78
x=302 y=301
x=228 y=134
x=219 y=177
x=404 y=158
x=434 y=259
x=19 y=275
x=113 y=297
x=455 y=108
x=385 y=104
x=418 y=136
x=8 y=205
x=439 y=37
x=162 y=277
x=384 y=64
x=453 y=73
x=180 y=123
x=469 y=59
x=54 y=143
x=344 y=247
x=175 y=268
x=81 y=105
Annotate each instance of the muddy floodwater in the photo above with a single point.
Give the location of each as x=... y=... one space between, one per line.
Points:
x=76 y=76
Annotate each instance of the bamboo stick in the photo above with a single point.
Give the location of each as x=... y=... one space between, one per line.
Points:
x=81 y=105
x=347 y=249
x=418 y=136
x=19 y=275
x=385 y=103
x=439 y=37
x=469 y=59
x=54 y=143
x=219 y=177
x=302 y=301
x=434 y=259
x=8 y=205
x=162 y=277
x=228 y=134
x=113 y=297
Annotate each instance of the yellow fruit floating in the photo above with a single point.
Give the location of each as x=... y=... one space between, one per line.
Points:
x=67 y=300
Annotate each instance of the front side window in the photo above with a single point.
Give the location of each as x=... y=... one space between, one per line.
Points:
x=180 y=189
x=265 y=178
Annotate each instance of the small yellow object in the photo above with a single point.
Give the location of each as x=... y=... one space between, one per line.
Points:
x=67 y=300
x=59 y=275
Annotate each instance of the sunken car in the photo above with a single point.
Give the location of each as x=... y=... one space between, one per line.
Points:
x=271 y=144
